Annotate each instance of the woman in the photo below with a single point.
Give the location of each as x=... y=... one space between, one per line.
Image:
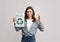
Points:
x=31 y=25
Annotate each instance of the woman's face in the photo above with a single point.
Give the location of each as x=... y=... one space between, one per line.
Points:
x=29 y=12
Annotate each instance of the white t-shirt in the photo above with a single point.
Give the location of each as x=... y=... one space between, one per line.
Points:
x=29 y=24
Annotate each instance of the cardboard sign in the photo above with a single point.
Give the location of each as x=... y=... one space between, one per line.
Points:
x=20 y=20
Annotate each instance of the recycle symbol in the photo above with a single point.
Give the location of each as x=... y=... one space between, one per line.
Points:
x=19 y=21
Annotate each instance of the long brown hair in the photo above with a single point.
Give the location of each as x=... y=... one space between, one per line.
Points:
x=29 y=7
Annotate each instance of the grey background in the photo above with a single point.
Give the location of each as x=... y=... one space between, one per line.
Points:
x=49 y=10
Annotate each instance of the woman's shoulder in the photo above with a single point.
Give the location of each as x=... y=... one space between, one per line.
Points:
x=36 y=22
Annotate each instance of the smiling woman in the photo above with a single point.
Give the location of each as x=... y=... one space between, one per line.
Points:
x=31 y=25
x=30 y=13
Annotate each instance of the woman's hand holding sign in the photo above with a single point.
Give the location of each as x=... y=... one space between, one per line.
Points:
x=14 y=20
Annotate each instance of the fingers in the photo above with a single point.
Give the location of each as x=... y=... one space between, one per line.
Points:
x=39 y=17
x=14 y=20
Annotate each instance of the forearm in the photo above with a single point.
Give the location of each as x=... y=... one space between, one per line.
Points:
x=17 y=28
x=40 y=26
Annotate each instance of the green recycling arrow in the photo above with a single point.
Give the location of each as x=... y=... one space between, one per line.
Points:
x=19 y=21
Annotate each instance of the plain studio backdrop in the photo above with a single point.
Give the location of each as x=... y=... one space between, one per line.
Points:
x=49 y=10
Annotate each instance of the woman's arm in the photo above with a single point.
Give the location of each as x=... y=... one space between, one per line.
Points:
x=17 y=28
x=40 y=26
